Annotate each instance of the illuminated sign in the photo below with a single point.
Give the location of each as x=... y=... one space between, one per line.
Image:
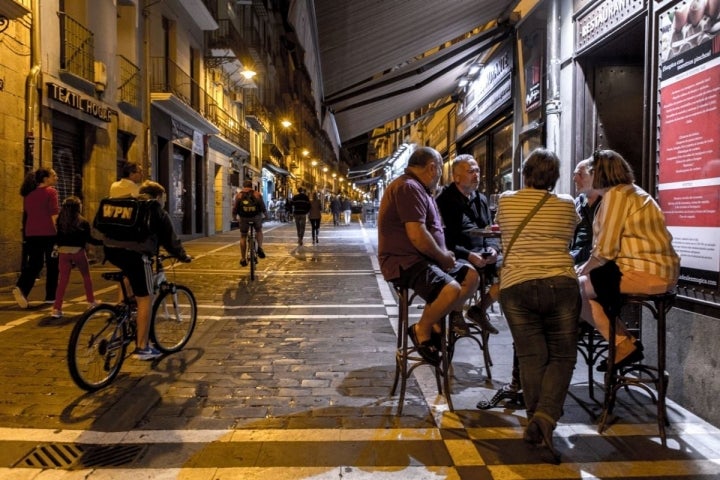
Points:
x=79 y=102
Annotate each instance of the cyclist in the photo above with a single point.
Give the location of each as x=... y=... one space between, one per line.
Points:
x=134 y=259
x=249 y=207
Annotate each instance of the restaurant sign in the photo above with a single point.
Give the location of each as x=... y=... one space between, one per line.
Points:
x=79 y=102
x=602 y=18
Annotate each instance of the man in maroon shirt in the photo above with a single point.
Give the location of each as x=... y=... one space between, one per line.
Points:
x=412 y=252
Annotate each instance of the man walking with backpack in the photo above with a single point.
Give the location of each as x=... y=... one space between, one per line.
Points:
x=249 y=207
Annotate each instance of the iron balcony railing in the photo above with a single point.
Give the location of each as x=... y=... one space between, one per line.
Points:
x=167 y=77
x=229 y=127
x=129 y=88
x=77 y=47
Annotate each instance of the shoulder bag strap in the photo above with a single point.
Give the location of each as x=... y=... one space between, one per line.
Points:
x=525 y=222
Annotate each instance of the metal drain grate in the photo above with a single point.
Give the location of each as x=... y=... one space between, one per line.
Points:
x=74 y=456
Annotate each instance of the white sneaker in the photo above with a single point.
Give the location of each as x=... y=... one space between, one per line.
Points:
x=56 y=313
x=19 y=297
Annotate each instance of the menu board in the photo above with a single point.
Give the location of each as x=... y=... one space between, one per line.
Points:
x=689 y=141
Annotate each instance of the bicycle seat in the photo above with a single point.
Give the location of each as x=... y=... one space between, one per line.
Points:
x=113 y=276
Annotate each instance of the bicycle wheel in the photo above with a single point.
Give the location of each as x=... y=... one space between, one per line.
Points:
x=173 y=318
x=252 y=255
x=97 y=348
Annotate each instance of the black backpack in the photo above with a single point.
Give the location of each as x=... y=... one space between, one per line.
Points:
x=124 y=218
x=247 y=204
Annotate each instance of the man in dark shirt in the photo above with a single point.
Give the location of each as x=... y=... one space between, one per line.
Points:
x=586 y=204
x=465 y=213
x=301 y=207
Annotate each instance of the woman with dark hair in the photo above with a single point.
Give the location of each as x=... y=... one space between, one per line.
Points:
x=629 y=229
x=539 y=291
x=40 y=210
x=315 y=215
x=73 y=235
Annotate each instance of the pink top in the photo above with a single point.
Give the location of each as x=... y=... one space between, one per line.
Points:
x=40 y=205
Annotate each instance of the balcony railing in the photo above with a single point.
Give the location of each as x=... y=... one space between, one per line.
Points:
x=229 y=127
x=129 y=88
x=228 y=37
x=255 y=113
x=167 y=77
x=77 y=47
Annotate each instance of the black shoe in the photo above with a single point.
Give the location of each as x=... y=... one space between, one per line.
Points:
x=426 y=349
x=635 y=356
x=480 y=318
x=243 y=263
x=539 y=433
x=260 y=252
x=458 y=325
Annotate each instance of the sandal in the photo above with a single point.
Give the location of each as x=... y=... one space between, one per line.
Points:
x=503 y=393
x=426 y=349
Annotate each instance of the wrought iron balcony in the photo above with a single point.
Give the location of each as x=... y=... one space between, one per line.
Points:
x=255 y=112
x=129 y=88
x=229 y=127
x=77 y=47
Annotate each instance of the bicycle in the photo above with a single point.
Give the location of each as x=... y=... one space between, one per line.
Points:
x=251 y=249
x=99 y=340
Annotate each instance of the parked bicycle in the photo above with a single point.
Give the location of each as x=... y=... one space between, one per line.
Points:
x=99 y=340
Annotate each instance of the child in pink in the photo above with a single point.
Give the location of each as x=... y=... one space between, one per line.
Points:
x=73 y=235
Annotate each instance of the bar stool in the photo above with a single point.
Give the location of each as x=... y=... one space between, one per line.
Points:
x=639 y=374
x=407 y=359
x=591 y=346
x=475 y=333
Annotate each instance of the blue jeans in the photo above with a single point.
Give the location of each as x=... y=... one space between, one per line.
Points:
x=543 y=318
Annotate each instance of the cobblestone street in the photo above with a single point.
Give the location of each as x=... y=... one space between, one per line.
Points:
x=288 y=377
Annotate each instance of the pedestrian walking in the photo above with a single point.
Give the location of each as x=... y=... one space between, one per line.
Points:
x=315 y=215
x=347 y=209
x=73 y=235
x=40 y=211
x=300 y=208
x=335 y=209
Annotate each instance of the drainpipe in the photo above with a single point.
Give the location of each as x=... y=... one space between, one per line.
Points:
x=32 y=95
x=146 y=163
x=552 y=106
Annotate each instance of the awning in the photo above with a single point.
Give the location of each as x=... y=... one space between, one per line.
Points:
x=360 y=109
x=277 y=170
x=367 y=168
x=367 y=62
x=367 y=181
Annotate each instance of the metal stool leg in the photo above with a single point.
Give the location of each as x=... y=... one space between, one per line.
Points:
x=406 y=359
x=659 y=306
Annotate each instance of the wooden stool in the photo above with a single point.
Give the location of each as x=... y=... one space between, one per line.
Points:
x=408 y=359
x=641 y=375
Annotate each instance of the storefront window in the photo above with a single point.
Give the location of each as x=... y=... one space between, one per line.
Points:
x=502 y=159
